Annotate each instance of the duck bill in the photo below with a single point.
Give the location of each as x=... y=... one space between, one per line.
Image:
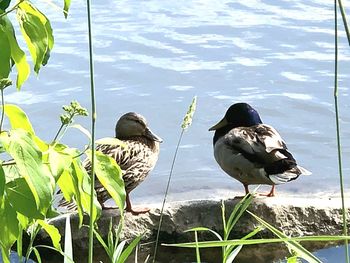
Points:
x=219 y=125
x=152 y=136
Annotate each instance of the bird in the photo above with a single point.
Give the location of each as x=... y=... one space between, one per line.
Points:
x=136 y=157
x=252 y=152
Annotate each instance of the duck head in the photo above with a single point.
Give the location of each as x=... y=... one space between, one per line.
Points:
x=238 y=115
x=133 y=124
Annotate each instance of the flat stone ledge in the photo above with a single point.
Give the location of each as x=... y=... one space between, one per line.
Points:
x=296 y=216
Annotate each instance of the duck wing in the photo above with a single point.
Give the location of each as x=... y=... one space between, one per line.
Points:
x=262 y=147
x=136 y=159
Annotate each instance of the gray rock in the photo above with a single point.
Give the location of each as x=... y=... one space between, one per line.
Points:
x=296 y=216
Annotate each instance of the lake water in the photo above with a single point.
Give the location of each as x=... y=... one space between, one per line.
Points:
x=153 y=56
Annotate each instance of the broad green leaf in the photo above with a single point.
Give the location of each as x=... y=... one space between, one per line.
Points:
x=37 y=33
x=28 y=160
x=23 y=220
x=127 y=252
x=111 y=141
x=21 y=198
x=5 y=54
x=59 y=161
x=53 y=233
x=4 y=4
x=66 y=7
x=17 y=53
x=18 y=118
x=83 y=190
x=75 y=185
x=2 y=183
x=110 y=176
x=9 y=229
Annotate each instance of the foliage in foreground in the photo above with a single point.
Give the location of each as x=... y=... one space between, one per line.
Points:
x=231 y=248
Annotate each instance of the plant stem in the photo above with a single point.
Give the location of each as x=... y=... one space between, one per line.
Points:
x=342 y=10
x=166 y=195
x=344 y=210
x=2 y=109
x=93 y=121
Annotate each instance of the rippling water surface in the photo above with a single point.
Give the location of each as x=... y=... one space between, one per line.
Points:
x=154 y=56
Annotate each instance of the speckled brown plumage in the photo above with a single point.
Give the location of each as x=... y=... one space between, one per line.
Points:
x=136 y=159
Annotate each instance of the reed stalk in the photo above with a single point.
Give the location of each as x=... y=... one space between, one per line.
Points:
x=341 y=179
x=93 y=121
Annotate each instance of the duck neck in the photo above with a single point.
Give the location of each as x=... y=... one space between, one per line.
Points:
x=222 y=132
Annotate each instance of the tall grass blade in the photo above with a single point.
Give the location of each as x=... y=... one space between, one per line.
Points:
x=293 y=245
x=204 y=229
x=233 y=254
x=237 y=242
x=127 y=252
x=341 y=180
x=103 y=244
x=229 y=249
x=198 y=256
x=185 y=124
x=343 y=15
x=93 y=122
x=68 y=247
x=237 y=212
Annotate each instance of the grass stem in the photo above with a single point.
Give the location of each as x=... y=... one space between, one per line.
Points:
x=93 y=121
x=166 y=195
x=344 y=210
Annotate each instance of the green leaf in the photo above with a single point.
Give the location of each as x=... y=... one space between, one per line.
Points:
x=295 y=246
x=127 y=252
x=236 y=242
x=2 y=183
x=9 y=229
x=18 y=118
x=110 y=176
x=237 y=212
x=198 y=229
x=118 y=252
x=59 y=161
x=233 y=254
x=4 y=83
x=17 y=53
x=68 y=246
x=37 y=254
x=28 y=160
x=103 y=244
x=66 y=7
x=5 y=54
x=4 y=4
x=75 y=183
x=37 y=33
x=82 y=129
x=21 y=198
x=53 y=233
